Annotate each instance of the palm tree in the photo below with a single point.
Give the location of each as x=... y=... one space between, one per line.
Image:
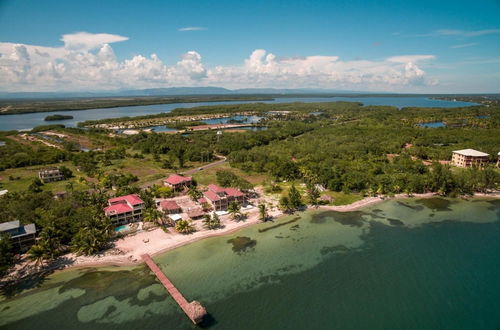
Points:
x=152 y=215
x=194 y=193
x=263 y=212
x=37 y=254
x=234 y=210
x=184 y=227
x=207 y=221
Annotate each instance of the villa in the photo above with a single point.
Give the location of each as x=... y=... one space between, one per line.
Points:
x=178 y=182
x=469 y=158
x=220 y=197
x=21 y=237
x=124 y=209
x=50 y=175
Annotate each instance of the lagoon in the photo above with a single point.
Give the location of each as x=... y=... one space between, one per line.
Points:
x=29 y=120
x=411 y=263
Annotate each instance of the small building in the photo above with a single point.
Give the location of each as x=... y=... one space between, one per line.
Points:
x=469 y=158
x=50 y=175
x=195 y=213
x=124 y=209
x=178 y=182
x=498 y=160
x=21 y=237
x=220 y=198
x=170 y=207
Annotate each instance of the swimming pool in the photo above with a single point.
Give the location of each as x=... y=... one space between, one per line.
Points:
x=122 y=228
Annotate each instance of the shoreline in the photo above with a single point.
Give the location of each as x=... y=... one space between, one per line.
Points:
x=126 y=251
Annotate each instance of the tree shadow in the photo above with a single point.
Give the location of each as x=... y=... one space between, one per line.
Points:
x=31 y=276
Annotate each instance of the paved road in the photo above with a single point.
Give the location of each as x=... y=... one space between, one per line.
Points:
x=202 y=168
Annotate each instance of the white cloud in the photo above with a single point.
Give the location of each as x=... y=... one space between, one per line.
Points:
x=410 y=58
x=88 y=62
x=192 y=28
x=476 y=33
x=88 y=41
x=463 y=45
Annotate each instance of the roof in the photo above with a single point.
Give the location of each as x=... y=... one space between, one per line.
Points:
x=117 y=209
x=177 y=179
x=233 y=192
x=471 y=152
x=195 y=213
x=215 y=188
x=169 y=205
x=175 y=217
x=132 y=199
x=211 y=195
x=202 y=200
x=26 y=230
x=10 y=225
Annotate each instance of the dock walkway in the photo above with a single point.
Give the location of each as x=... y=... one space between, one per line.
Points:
x=194 y=310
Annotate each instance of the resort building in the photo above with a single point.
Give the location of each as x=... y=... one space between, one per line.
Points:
x=21 y=237
x=220 y=197
x=124 y=209
x=178 y=182
x=50 y=175
x=170 y=207
x=469 y=158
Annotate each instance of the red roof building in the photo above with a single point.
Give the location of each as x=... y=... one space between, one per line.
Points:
x=220 y=197
x=124 y=209
x=178 y=182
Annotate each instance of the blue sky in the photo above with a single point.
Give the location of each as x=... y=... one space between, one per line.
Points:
x=402 y=46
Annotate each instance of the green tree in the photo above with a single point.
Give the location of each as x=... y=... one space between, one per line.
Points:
x=313 y=195
x=6 y=254
x=284 y=204
x=93 y=236
x=294 y=197
x=184 y=227
x=194 y=193
x=35 y=185
x=152 y=215
x=263 y=212
x=234 y=210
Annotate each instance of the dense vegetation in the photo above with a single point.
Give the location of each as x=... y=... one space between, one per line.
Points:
x=58 y=117
x=343 y=147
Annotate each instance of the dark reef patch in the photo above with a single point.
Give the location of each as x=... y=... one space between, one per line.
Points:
x=242 y=244
x=413 y=207
x=333 y=249
x=435 y=203
x=395 y=222
x=279 y=225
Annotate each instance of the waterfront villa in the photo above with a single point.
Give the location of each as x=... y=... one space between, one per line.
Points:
x=469 y=158
x=50 y=175
x=124 y=209
x=170 y=207
x=220 y=197
x=178 y=182
x=21 y=237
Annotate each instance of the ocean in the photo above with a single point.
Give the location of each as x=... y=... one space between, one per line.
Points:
x=401 y=264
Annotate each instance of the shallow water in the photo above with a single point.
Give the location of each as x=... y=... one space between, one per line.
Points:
x=412 y=264
x=30 y=120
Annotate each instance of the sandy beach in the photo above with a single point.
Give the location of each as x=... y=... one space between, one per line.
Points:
x=127 y=250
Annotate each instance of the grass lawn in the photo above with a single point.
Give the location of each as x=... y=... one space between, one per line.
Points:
x=208 y=176
x=27 y=174
x=340 y=198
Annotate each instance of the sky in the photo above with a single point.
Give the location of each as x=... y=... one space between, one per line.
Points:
x=378 y=46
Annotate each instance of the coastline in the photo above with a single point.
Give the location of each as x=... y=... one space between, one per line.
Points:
x=127 y=250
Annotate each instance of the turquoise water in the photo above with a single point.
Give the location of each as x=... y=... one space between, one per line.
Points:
x=30 y=120
x=122 y=228
x=434 y=124
x=407 y=264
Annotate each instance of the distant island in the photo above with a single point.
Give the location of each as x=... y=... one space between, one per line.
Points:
x=57 y=117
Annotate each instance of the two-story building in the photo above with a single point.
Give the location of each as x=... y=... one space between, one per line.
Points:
x=178 y=182
x=50 y=175
x=469 y=158
x=220 y=197
x=124 y=209
x=21 y=237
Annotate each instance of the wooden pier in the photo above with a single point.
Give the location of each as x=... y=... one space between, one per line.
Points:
x=194 y=310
